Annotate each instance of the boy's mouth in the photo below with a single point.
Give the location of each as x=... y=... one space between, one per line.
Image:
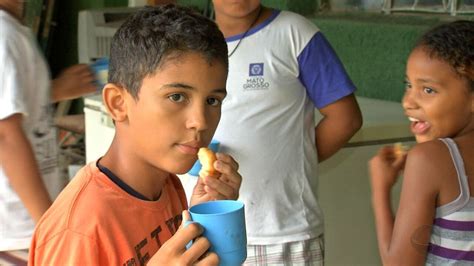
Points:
x=190 y=147
x=186 y=149
x=417 y=126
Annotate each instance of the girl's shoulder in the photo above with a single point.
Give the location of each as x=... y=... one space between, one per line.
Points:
x=430 y=152
x=437 y=153
x=429 y=163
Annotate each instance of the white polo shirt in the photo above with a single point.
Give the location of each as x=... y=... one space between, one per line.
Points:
x=278 y=74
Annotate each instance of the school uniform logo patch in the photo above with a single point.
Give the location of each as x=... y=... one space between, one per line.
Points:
x=256 y=80
x=256 y=69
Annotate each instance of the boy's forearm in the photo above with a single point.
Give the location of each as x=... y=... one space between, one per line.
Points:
x=332 y=133
x=19 y=164
x=341 y=120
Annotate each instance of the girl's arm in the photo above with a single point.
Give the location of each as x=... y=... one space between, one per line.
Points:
x=403 y=240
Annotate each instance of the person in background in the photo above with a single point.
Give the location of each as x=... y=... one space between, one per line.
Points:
x=281 y=67
x=28 y=139
x=167 y=80
x=434 y=223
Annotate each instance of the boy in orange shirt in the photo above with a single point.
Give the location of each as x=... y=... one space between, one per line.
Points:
x=167 y=76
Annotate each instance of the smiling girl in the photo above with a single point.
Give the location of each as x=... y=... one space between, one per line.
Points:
x=434 y=223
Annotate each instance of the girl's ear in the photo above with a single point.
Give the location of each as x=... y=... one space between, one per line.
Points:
x=114 y=98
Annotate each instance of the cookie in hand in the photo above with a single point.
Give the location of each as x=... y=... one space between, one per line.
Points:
x=399 y=149
x=207 y=158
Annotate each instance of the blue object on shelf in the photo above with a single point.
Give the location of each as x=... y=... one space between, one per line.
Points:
x=100 y=67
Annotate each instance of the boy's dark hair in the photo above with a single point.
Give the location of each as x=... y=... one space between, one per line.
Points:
x=453 y=43
x=150 y=36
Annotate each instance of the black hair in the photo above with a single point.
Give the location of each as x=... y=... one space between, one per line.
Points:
x=151 y=36
x=453 y=43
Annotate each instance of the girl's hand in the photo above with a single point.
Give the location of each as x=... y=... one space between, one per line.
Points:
x=385 y=167
x=226 y=186
x=174 y=251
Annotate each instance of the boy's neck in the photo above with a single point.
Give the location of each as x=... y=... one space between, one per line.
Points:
x=231 y=26
x=147 y=181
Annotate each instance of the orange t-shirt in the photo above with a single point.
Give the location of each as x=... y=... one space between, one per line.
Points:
x=94 y=222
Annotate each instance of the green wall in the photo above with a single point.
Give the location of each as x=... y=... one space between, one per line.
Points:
x=304 y=7
x=374 y=49
x=200 y=4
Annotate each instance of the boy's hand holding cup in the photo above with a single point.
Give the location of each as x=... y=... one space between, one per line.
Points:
x=214 y=206
x=177 y=251
x=224 y=226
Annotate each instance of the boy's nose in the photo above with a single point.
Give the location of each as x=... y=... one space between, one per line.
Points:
x=197 y=119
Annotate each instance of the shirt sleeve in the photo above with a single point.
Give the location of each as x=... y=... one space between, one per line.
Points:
x=12 y=90
x=66 y=248
x=322 y=73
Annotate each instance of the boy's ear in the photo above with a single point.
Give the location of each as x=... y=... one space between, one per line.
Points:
x=114 y=98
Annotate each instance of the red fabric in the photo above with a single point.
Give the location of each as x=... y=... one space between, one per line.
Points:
x=94 y=222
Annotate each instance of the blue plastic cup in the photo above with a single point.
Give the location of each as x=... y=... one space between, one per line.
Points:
x=214 y=146
x=224 y=226
x=101 y=72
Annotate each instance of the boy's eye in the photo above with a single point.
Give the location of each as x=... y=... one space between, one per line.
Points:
x=213 y=101
x=176 y=97
x=428 y=90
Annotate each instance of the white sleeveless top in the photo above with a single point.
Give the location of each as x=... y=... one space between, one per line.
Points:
x=452 y=236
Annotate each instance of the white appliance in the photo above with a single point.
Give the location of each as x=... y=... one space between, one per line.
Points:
x=99 y=127
x=96 y=27
x=344 y=188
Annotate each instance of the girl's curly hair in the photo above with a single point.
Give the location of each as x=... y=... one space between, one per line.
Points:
x=453 y=43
